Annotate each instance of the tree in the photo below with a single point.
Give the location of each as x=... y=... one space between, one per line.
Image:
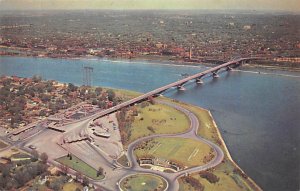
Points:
x=72 y=87
x=98 y=91
x=209 y=176
x=194 y=183
x=85 y=181
x=55 y=185
x=111 y=95
x=35 y=155
x=20 y=178
x=36 y=78
x=100 y=171
x=5 y=169
x=44 y=158
x=101 y=104
x=49 y=86
x=94 y=102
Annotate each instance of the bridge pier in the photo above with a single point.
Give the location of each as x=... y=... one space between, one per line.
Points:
x=228 y=68
x=181 y=88
x=215 y=75
x=199 y=81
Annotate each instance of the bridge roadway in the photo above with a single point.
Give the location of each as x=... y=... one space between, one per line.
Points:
x=157 y=91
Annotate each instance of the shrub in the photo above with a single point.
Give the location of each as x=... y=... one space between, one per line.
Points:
x=210 y=177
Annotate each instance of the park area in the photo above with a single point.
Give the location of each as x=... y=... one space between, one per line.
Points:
x=158 y=119
x=185 y=152
x=143 y=182
x=80 y=166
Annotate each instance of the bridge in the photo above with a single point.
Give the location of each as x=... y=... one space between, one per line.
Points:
x=179 y=84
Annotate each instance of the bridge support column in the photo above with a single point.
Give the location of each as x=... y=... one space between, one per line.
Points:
x=215 y=75
x=228 y=68
x=199 y=81
x=181 y=88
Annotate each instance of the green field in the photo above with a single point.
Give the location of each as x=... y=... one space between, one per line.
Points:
x=187 y=152
x=143 y=182
x=79 y=166
x=163 y=119
x=206 y=127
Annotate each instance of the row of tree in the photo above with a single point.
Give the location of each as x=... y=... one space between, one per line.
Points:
x=193 y=182
x=209 y=176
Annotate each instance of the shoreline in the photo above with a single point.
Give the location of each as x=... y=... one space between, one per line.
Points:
x=227 y=154
x=251 y=181
x=162 y=60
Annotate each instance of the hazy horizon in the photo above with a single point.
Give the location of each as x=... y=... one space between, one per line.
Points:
x=257 y=5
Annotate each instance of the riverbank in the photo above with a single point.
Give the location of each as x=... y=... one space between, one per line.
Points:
x=209 y=130
x=251 y=181
x=284 y=66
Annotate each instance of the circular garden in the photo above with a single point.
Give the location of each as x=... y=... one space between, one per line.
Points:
x=143 y=182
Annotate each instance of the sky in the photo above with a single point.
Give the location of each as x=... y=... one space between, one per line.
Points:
x=278 y=5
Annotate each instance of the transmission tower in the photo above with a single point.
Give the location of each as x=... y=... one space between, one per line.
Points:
x=87 y=75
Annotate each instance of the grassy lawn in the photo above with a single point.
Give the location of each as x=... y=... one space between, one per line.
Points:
x=2 y=145
x=126 y=93
x=228 y=180
x=71 y=186
x=188 y=152
x=206 y=126
x=143 y=182
x=79 y=166
x=163 y=119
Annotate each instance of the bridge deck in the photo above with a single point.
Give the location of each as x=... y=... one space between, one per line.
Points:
x=163 y=88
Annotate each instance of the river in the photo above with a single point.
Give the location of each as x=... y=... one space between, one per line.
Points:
x=257 y=113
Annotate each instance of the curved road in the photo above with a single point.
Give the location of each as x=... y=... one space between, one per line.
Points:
x=191 y=133
x=171 y=178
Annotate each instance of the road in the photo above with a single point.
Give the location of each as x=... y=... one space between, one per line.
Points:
x=190 y=133
x=174 y=84
x=112 y=177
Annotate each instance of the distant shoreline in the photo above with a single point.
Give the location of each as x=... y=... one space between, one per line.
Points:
x=163 y=60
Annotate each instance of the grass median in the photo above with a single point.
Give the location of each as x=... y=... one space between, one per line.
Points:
x=80 y=166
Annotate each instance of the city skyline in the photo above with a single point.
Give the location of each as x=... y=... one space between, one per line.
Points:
x=275 y=5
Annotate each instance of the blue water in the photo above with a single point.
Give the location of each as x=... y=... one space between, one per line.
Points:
x=258 y=114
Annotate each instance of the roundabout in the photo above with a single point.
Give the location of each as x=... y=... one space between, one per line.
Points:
x=143 y=182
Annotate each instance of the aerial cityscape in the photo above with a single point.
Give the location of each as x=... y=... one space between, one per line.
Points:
x=149 y=96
